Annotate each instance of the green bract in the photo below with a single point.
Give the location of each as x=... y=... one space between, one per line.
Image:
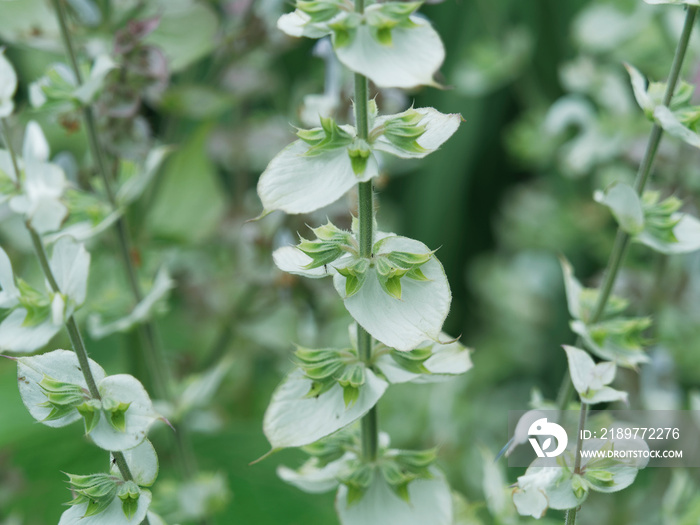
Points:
x=327 y=162
x=388 y=43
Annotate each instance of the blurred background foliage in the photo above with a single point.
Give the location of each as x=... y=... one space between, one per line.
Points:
x=549 y=118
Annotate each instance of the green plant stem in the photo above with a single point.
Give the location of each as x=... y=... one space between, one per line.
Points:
x=157 y=364
x=622 y=239
x=369 y=423
x=159 y=370
x=71 y=326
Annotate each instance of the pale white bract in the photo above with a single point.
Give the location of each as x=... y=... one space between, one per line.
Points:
x=8 y=86
x=411 y=60
x=61 y=365
x=591 y=379
x=403 y=323
x=139 y=416
x=142 y=461
x=293 y=420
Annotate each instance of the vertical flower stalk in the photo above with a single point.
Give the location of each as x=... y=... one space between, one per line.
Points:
x=598 y=319
x=61 y=387
x=394 y=287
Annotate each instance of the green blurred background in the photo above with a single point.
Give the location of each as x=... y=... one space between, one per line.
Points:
x=548 y=118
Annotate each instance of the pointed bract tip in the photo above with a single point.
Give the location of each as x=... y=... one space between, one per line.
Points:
x=264 y=456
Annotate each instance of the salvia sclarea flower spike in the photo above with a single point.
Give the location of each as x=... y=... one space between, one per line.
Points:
x=326 y=162
x=389 y=43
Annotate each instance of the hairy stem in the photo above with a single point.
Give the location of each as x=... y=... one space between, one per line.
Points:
x=157 y=365
x=369 y=423
x=622 y=239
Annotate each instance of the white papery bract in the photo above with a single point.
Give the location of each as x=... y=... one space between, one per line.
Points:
x=70 y=265
x=8 y=86
x=591 y=379
x=296 y=183
x=43 y=185
x=293 y=419
x=61 y=365
x=112 y=515
x=388 y=44
x=301 y=180
x=142 y=461
x=404 y=323
x=139 y=416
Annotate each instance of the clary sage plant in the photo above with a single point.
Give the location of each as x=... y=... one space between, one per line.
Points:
x=394 y=287
x=606 y=337
x=59 y=215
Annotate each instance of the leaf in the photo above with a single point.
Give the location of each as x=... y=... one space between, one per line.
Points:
x=413 y=58
x=625 y=205
x=296 y=183
x=112 y=515
x=187 y=31
x=430 y=503
x=139 y=417
x=61 y=365
x=133 y=187
x=190 y=202
x=294 y=420
x=438 y=128
x=141 y=313
x=401 y=324
x=143 y=463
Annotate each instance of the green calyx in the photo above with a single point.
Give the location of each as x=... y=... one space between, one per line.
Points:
x=37 y=305
x=129 y=494
x=328 y=366
x=61 y=397
x=624 y=333
x=330 y=243
x=404 y=130
x=681 y=97
x=355 y=275
x=320 y=10
x=333 y=447
x=114 y=411
x=359 y=152
x=391 y=267
x=344 y=29
x=398 y=468
x=328 y=137
x=388 y=16
x=589 y=299
x=97 y=490
x=659 y=219
x=407 y=466
x=413 y=361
